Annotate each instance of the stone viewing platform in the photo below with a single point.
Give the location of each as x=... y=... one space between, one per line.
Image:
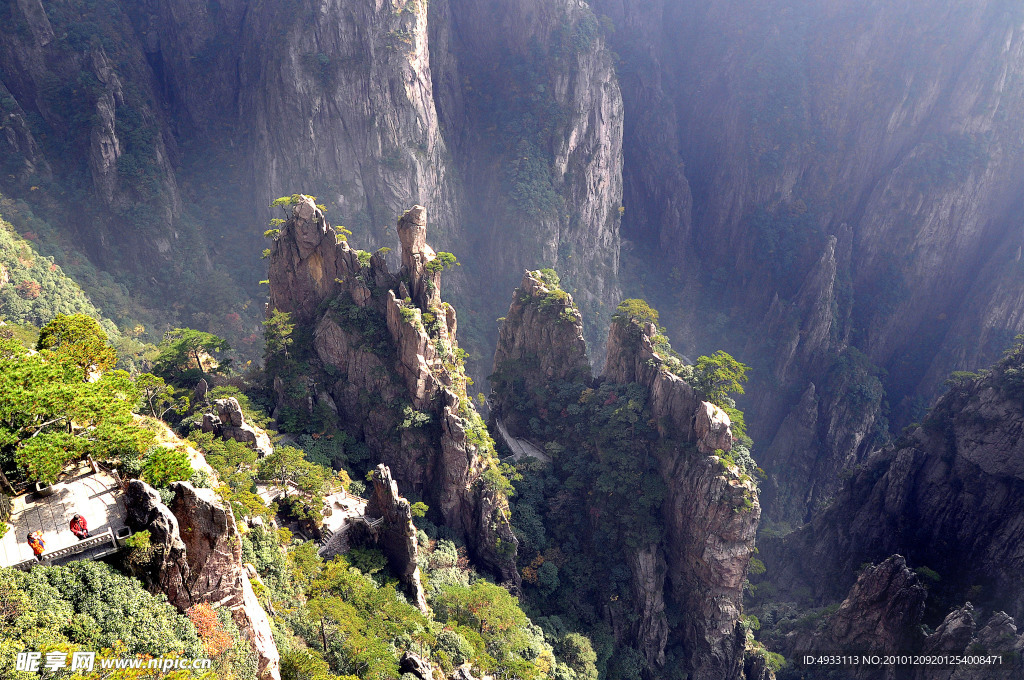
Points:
x=93 y=495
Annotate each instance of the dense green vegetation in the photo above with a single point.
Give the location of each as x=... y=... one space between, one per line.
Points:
x=86 y=606
x=346 y=618
x=50 y=414
x=34 y=289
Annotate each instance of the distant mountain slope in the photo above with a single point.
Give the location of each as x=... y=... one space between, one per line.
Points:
x=34 y=289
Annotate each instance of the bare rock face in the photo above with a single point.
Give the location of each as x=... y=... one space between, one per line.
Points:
x=412 y=663
x=711 y=513
x=416 y=254
x=120 y=98
x=571 y=158
x=397 y=536
x=949 y=495
x=229 y=423
x=391 y=369
x=712 y=428
x=882 y=613
x=201 y=560
x=307 y=262
x=651 y=627
x=146 y=512
x=540 y=342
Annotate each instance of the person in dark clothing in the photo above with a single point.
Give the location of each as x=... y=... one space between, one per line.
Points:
x=79 y=527
x=38 y=545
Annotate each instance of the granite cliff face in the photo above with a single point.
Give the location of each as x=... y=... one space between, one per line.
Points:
x=188 y=113
x=343 y=86
x=199 y=560
x=697 y=565
x=711 y=510
x=398 y=535
x=883 y=612
x=81 y=109
x=543 y=330
x=755 y=135
x=527 y=95
x=388 y=365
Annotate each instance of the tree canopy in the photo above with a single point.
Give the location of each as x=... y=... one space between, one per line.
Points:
x=635 y=308
x=719 y=375
x=89 y=606
x=80 y=339
x=184 y=348
x=50 y=415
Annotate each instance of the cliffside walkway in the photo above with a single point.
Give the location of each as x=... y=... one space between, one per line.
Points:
x=520 y=447
x=94 y=495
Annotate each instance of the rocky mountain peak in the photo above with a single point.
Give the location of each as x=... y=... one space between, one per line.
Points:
x=540 y=343
x=948 y=495
x=308 y=264
x=424 y=282
x=882 y=612
x=392 y=370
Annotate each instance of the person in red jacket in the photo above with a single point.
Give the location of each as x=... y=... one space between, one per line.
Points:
x=38 y=545
x=79 y=527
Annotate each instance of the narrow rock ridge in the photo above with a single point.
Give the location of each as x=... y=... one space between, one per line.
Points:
x=389 y=367
x=200 y=560
x=710 y=511
x=397 y=535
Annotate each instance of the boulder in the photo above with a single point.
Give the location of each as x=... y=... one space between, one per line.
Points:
x=229 y=423
x=201 y=560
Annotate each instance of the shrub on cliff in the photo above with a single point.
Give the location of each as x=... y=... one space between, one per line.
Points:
x=637 y=310
x=718 y=376
x=185 y=349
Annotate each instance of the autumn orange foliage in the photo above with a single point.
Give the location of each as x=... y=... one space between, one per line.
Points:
x=215 y=639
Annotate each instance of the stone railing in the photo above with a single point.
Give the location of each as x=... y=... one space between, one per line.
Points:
x=106 y=539
x=372 y=522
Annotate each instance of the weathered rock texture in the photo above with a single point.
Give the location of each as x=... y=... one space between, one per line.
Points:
x=540 y=343
x=200 y=560
x=527 y=95
x=959 y=635
x=60 y=79
x=882 y=615
x=948 y=495
x=391 y=370
x=229 y=423
x=710 y=511
x=363 y=103
x=397 y=535
x=755 y=135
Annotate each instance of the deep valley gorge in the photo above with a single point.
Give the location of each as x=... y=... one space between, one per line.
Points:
x=493 y=339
